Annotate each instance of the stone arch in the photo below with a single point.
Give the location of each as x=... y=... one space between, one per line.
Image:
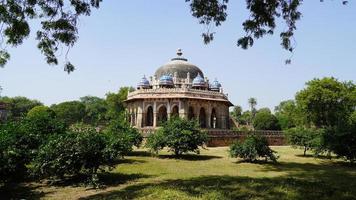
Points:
x=191 y=113
x=202 y=117
x=149 y=116
x=161 y=115
x=175 y=111
x=213 y=119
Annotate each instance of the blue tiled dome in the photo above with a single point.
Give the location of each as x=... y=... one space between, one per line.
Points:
x=144 y=83
x=198 y=81
x=215 y=85
x=166 y=80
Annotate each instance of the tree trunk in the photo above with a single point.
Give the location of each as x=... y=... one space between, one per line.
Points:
x=305 y=151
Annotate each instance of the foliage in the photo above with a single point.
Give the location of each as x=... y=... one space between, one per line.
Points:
x=15 y=152
x=95 y=109
x=70 y=111
x=119 y=130
x=115 y=102
x=307 y=138
x=179 y=135
x=288 y=114
x=18 y=107
x=265 y=120
x=327 y=102
x=246 y=117
x=252 y=148
x=236 y=113
x=71 y=154
x=342 y=140
x=42 y=121
x=59 y=20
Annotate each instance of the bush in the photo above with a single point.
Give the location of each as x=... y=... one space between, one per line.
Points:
x=342 y=140
x=252 y=148
x=15 y=152
x=307 y=138
x=179 y=135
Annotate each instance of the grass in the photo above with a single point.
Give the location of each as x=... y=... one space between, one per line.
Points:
x=211 y=175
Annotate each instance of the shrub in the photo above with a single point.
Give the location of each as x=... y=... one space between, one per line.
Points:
x=265 y=120
x=15 y=152
x=307 y=138
x=179 y=135
x=252 y=148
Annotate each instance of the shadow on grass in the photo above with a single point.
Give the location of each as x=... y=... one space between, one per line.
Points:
x=21 y=191
x=323 y=157
x=229 y=187
x=140 y=153
x=302 y=181
x=190 y=157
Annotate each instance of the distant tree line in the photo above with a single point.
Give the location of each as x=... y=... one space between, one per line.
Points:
x=322 y=118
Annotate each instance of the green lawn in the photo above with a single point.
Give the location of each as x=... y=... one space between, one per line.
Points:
x=213 y=175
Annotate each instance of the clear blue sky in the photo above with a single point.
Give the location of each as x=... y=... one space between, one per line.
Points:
x=124 y=40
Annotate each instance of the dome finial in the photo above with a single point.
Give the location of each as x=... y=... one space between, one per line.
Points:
x=179 y=52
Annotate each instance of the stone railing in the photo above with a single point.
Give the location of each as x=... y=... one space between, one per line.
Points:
x=178 y=92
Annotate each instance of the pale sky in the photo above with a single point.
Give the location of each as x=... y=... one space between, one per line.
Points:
x=124 y=40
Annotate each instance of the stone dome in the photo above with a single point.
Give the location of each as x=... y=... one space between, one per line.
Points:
x=179 y=66
x=198 y=81
x=144 y=83
x=215 y=85
x=166 y=80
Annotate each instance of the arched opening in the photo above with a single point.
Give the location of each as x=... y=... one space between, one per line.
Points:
x=162 y=115
x=213 y=119
x=175 y=112
x=149 y=116
x=202 y=118
x=190 y=113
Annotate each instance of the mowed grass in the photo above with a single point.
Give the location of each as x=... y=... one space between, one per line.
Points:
x=213 y=175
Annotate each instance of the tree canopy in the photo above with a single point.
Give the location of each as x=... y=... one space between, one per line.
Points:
x=59 y=23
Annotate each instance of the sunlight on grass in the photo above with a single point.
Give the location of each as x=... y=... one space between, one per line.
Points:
x=213 y=175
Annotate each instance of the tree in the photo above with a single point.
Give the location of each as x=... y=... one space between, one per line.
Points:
x=252 y=102
x=70 y=112
x=59 y=20
x=18 y=106
x=307 y=138
x=95 y=109
x=237 y=113
x=115 y=102
x=265 y=120
x=327 y=102
x=342 y=140
x=252 y=148
x=288 y=114
x=246 y=117
x=179 y=135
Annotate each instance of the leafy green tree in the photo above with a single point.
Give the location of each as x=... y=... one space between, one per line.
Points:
x=15 y=152
x=246 y=117
x=70 y=112
x=327 y=102
x=307 y=138
x=252 y=148
x=18 y=106
x=58 y=25
x=236 y=113
x=265 y=120
x=115 y=102
x=288 y=115
x=95 y=109
x=342 y=140
x=120 y=131
x=252 y=103
x=179 y=135
x=80 y=151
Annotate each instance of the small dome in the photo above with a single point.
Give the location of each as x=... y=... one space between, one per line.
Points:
x=144 y=83
x=198 y=81
x=166 y=80
x=215 y=85
x=179 y=66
